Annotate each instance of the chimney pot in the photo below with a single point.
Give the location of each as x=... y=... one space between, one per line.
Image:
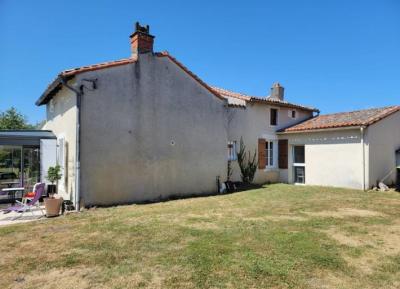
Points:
x=141 y=40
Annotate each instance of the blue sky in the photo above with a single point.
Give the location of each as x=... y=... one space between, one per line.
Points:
x=335 y=55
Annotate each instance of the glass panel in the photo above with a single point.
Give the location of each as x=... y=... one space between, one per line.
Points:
x=299 y=175
x=10 y=166
x=31 y=167
x=299 y=155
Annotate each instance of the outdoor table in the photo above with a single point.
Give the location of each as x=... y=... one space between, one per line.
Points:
x=12 y=192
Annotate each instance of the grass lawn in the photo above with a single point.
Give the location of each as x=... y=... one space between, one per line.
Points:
x=279 y=236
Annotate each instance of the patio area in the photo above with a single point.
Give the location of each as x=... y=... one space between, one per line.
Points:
x=12 y=218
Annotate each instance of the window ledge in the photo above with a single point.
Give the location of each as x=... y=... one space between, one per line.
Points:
x=271 y=169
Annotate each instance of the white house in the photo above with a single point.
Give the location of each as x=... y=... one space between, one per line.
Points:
x=146 y=128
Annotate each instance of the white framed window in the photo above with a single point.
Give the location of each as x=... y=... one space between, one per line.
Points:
x=269 y=154
x=232 y=151
x=299 y=155
x=292 y=113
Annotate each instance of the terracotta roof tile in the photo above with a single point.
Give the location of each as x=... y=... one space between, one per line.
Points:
x=357 y=118
x=77 y=70
x=55 y=85
x=227 y=94
x=234 y=99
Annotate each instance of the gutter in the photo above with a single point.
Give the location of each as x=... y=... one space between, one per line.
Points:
x=78 y=94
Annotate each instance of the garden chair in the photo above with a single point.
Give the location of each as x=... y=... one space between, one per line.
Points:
x=27 y=205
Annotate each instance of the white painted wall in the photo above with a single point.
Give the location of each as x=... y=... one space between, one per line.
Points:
x=332 y=158
x=48 y=157
x=61 y=119
x=253 y=123
x=383 y=139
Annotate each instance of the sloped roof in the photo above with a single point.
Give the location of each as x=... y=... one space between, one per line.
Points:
x=233 y=98
x=56 y=84
x=241 y=99
x=66 y=74
x=356 y=118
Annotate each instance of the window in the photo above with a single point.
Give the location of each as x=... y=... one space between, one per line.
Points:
x=269 y=153
x=274 y=116
x=232 y=153
x=299 y=154
x=299 y=175
x=292 y=113
x=299 y=164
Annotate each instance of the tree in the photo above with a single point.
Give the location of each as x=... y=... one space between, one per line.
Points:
x=12 y=119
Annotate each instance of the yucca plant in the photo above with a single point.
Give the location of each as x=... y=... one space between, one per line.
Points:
x=247 y=163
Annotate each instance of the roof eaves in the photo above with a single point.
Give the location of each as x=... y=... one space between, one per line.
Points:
x=283 y=103
x=330 y=128
x=50 y=91
x=68 y=74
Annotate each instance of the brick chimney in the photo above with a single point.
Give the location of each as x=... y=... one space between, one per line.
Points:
x=277 y=91
x=141 y=40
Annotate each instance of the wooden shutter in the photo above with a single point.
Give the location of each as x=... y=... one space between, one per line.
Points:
x=261 y=154
x=283 y=153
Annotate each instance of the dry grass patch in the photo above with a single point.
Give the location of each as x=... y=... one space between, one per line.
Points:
x=346 y=212
x=280 y=236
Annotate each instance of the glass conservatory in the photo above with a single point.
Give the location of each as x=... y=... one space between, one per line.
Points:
x=20 y=158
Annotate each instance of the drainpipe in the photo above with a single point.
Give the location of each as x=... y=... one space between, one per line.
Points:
x=78 y=94
x=362 y=131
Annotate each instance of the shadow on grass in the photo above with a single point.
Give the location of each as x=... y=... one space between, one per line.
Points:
x=239 y=187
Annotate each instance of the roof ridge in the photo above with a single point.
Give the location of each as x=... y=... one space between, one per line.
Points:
x=106 y=64
x=267 y=99
x=383 y=114
x=359 y=110
x=238 y=95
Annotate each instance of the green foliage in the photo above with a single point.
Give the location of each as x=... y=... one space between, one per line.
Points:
x=247 y=163
x=12 y=119
x=54 y=174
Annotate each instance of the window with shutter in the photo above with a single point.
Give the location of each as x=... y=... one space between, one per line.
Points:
x=283 y=153
x=261 y=154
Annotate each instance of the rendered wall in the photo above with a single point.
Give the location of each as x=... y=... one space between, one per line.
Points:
x=61 y=119
x=253 y=123
x=150 y=131
x=332 y=158
x=383 y=139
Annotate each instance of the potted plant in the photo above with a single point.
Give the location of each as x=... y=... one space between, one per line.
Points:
x=51 y=203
